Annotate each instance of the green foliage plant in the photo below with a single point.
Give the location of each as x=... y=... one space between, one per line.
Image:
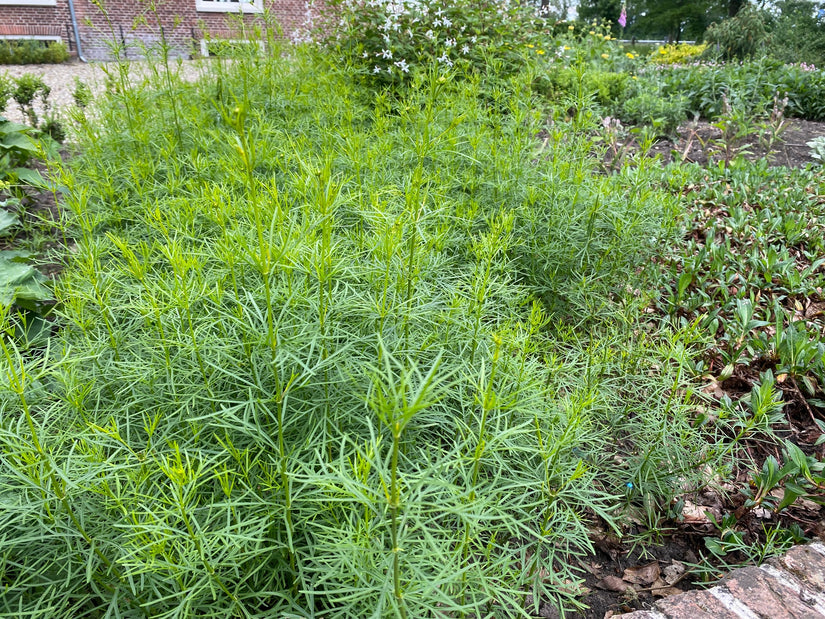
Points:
x=17 y=148
x=817 y=146
x=663 y=114
x=82 y=94
x=796 y=34
x=754 y=84
x=6 y=89
x=28 y=89
x=677 y=53
x=740 y=37
x=33 y=52
x=327 y=349
x=387 y=39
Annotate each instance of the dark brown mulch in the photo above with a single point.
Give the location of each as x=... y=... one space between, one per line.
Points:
x=701 y=142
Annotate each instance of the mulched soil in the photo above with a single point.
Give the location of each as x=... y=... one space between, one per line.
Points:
x=622 y=576
x=700 y=142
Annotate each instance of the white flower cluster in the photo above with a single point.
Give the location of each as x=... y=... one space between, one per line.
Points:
x=401 y=33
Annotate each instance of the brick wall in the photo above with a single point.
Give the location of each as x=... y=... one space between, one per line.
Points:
x=133 y=25
x=137 y=28
x=35 y=20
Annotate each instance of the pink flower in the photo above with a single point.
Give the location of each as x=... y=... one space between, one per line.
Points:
x=623 y=17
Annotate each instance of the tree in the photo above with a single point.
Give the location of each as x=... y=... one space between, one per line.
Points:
x=798 y=32
x=662 y=19
x=599 y=9
x=555 y=9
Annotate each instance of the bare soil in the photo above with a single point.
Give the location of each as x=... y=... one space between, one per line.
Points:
x=704 y=143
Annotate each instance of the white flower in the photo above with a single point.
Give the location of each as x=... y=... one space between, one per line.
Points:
x=444 y=59
x=429 y=34
x=386 y=53
x=365 y=54
x=402 y=64
x=450 y=42
x=465 y=49
x=376 y=69
x=473 y=39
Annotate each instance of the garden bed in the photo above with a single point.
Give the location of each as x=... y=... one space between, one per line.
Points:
x=331 y=343
x=702 y=142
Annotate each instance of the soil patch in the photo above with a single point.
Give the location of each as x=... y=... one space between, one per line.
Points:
x=702 y=142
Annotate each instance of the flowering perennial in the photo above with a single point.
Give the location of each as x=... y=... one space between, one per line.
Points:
x=388 y=38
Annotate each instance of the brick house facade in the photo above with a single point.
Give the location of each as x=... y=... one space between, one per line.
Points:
x=133 y=24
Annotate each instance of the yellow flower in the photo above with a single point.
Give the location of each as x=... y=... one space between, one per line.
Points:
x=566 y=47
x=591 y=32
x=629 y=55
x=530 y=45
x=600 y=35
x=607 y=38
x=605 y=56
x=635 y=78
x=571 y=27
x=540 y=51
x=662 y=50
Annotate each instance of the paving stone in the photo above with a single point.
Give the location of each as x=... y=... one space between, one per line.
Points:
x=790 y=587
x=809 y=595
x=765 y=596
x=806 y=564
x=694 y=605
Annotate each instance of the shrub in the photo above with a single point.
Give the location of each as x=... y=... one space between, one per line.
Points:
x=32 y=52
x=740 y=37
x=82 y=94
x=753 y=84
x=679 y=53
x=6 y=89
x=28 y=89
x=386 y=39
x=797 y=34
x=664 y=114
x=606 y=87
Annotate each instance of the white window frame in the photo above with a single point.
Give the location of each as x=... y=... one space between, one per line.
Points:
x=216 y=6
x=28 y=2
x=30 y=37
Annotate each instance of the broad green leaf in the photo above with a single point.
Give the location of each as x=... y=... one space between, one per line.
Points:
x=21 y=282
x=16 y=255
x=789 y=497
x=19 y=142
x=7 y=221
x=12 y=127
x=31 y=177
x=32 y=329
x=11 y=275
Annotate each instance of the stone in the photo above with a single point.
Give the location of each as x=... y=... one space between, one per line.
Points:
x=765 y=596
x=694 y=605
x=806 y=564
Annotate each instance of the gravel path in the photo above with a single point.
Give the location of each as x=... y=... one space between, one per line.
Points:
x=61 y=79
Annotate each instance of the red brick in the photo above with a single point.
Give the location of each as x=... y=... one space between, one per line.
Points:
x=182 y=23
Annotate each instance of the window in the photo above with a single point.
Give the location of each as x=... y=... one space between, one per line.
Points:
x=229 y=6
